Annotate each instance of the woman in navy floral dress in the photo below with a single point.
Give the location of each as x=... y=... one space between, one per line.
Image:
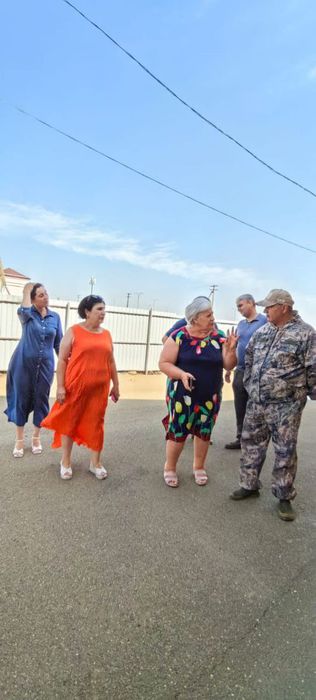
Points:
x=31 y=367
x=193 y=358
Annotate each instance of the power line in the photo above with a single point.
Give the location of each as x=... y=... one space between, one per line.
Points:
x=157 y=182
x=186 y=104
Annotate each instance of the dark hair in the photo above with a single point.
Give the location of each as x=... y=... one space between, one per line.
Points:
x=87 y=303
x=34 y=290
x=245 y=297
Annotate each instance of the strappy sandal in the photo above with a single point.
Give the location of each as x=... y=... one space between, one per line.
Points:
x=36 y=449
x=99 y=472
x=18 y=452
x=171 y=479
x=65 y=472
x=200 y=477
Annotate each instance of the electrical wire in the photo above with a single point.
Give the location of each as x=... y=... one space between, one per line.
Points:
x=156 y=180
x=186 y=104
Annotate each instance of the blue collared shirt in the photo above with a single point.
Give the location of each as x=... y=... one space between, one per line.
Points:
x=245 y=330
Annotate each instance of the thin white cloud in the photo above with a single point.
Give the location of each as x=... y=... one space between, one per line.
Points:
x=203 y=7
x=312 y=73
x=80 y=237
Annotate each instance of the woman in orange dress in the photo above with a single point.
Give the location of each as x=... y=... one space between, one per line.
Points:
x=85 y=369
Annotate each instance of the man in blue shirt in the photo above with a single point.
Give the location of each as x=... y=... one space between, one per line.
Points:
x=246 y=328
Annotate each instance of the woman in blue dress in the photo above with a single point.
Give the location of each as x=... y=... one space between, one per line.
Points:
x=31 y=368
x=193 y=358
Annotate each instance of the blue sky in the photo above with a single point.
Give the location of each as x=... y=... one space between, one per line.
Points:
x=67 y=214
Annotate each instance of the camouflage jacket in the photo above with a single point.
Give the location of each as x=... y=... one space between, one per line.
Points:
x=280 y=363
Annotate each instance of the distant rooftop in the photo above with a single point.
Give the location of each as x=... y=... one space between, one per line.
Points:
x=13 y=273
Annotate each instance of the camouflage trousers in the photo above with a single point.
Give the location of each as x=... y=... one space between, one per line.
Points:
x=279 y=421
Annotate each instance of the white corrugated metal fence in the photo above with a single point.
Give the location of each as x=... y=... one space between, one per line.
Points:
x=136 y=333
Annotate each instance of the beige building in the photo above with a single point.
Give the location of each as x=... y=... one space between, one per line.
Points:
x=14 y=283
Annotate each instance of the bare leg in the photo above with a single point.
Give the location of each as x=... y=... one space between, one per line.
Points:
x=95 y=465
x=67 y=444
x=200 y=452
x=36 y=441
x=95 y=458
x=18 y=450
x=173 y=452
x=19 y=432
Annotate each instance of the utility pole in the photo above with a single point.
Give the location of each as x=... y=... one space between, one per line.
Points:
x=92 y=282
x=129 y=294
x=213 y=289
x=138 y=294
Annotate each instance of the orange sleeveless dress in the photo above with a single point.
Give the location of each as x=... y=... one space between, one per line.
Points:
x=87 y=383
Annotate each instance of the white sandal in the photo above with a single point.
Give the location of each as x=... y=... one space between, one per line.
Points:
x=65 y=472
x=36 y=449
x=171 y=479
x=99 y=472
x=200 y=477
x=16 y=451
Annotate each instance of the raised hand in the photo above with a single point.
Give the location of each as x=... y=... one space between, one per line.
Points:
x=26 y=301
x=231 y=339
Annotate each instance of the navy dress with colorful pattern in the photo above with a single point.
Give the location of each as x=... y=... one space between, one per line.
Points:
x=195 y=412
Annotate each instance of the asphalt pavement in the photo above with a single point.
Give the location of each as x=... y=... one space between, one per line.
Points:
x=129 y=590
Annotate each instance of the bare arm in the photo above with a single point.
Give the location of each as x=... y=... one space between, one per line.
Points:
x=63 y=357
x=168 y=358
x=115 y=390
x=229 y=350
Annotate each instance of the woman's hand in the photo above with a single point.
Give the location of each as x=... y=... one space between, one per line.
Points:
x=26 y=299
x=187 y=380
x=231 y=339
x=115 y=393
x=61 y=394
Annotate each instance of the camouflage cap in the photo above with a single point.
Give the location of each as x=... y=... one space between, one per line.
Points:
x=276 y=296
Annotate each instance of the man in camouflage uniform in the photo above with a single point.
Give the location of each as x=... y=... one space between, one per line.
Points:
x=280 y=371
